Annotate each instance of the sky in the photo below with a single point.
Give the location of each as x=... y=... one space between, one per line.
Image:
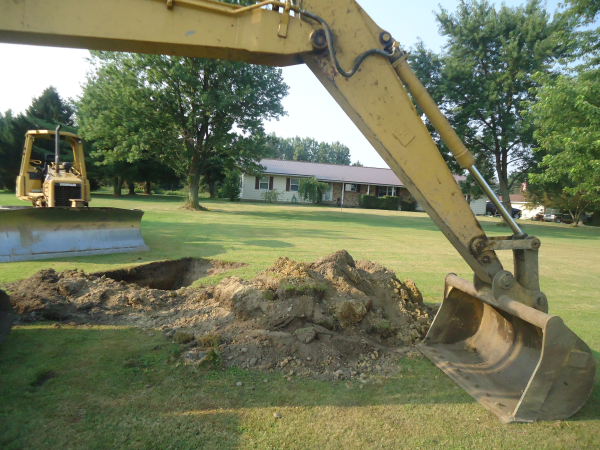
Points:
x=311 y=112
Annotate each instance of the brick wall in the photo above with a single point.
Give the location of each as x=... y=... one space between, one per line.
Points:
x=351 y=199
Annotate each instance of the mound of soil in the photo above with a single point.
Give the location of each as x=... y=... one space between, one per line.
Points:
x=332 y=319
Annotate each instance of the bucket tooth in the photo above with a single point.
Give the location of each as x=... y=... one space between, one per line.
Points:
x=520 y=363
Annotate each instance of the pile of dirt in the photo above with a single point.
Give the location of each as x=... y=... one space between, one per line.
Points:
x=332 y=319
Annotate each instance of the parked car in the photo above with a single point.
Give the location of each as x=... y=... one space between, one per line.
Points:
x=559 y=217
x=490 y=209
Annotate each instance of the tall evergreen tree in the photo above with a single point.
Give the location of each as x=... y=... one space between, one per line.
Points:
x=51 y=108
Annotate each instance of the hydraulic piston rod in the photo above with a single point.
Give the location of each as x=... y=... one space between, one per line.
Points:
x=462 y=155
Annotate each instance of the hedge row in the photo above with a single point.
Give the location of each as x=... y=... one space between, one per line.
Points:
x=387 y=202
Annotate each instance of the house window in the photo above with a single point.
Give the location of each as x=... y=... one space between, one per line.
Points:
x=294 y=184
x=264 y=184
x=383 y=191
x=350 y=187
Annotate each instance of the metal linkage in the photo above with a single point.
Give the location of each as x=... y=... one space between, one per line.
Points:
x=226 y=8
x=329 y=38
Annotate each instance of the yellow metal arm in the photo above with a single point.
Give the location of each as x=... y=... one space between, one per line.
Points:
x=149 y=26
x=373 y=97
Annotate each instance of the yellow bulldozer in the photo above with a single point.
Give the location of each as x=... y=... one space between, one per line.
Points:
x=494 y=335
x=59 y=223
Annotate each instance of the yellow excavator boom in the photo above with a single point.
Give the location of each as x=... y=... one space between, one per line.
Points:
x=487 y=330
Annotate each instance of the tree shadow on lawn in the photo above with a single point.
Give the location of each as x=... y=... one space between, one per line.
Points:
x=187 y=233
x=422 y=222
x=155 y=198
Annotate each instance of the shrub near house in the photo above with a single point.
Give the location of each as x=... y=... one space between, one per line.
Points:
x=373 y=202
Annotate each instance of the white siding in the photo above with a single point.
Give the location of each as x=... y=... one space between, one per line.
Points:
x=478 y=206
x=249 y=191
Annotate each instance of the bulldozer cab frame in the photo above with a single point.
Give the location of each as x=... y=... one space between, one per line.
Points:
x=33 y=182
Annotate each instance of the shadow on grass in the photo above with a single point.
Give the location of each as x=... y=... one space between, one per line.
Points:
x=591 y=410
x=140 y=198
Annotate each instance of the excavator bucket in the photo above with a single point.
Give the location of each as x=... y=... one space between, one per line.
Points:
x=521 y=364
x=5 y=315
x=38 y=233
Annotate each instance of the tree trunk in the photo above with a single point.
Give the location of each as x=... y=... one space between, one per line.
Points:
x=211 y=189
x=193 y=191
x=147 y=189
x=118 y=184
x=131 y=186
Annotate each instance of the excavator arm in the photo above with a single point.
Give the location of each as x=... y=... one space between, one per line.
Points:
x=362 y=67
x=373 y=97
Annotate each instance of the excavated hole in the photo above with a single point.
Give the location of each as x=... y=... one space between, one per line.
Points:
x=172 y=274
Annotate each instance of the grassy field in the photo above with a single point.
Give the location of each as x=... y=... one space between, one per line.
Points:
x=120 y=388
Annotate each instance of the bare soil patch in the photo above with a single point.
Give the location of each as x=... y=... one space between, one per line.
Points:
x=331 y=319
x=170 y=275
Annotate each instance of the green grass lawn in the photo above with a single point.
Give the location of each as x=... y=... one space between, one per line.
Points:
x=119 y=388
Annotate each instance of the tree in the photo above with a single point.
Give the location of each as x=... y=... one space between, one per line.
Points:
x=484 y=79
x=312 y=190
x=45 y=112
x=567 y=117
x=50 y=107
x=230 y=188
x=10 y=153
x=586 y=12
x=308 y=149
x=197 y=116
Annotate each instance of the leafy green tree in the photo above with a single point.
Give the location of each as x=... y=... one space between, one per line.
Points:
x=483 y=81
x=308 y=149
x=10 y=147
x=312 y=190
x=567 y=117
x=197 y=116
x=230 y=188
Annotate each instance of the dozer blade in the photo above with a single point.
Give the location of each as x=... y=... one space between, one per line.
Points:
x=521 y=364
x=5 y=315
x=39 y=233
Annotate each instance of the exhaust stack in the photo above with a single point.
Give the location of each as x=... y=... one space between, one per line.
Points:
x=57 y=147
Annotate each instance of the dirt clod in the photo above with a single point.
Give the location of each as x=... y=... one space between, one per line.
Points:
x=332 y=319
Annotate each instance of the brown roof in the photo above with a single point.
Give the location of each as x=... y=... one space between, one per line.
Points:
x=516 y=198
x=334 y=172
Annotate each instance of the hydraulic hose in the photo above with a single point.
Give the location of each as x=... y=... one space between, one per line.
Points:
x=357 y=62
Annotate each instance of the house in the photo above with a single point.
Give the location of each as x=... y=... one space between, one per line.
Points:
x=346 y=183
x=527 y=211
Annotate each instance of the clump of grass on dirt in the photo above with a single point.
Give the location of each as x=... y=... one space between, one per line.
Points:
x=181 y=337
x=209 y=340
